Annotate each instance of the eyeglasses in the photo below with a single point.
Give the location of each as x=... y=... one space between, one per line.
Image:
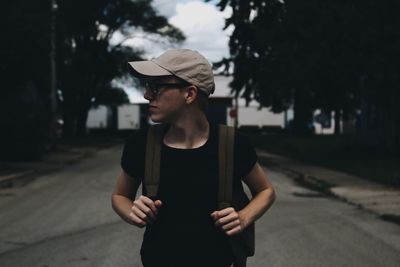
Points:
x=155 y=88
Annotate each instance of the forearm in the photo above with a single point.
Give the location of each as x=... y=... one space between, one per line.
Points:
x=123 y=195
x=258 y=205
x=122 y=206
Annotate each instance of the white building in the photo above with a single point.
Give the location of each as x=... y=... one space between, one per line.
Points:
x=222 y=102
x=248 y=115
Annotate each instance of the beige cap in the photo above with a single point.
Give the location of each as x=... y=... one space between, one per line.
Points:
x=189 y=65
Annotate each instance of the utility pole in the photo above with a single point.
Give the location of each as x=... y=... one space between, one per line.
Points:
x=53 y=70
x=236 y=125
x=53 y=74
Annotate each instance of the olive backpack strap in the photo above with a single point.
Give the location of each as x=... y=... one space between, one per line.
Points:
x=243 y=244
x=225 y=161
x=153 y=156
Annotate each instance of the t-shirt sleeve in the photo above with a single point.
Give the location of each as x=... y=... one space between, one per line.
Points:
x=245 y=156
x=133 y=155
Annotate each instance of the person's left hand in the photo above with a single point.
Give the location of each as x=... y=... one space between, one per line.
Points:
x=229 y=220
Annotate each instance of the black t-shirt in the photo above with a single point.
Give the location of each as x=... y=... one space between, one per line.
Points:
x=184 y=233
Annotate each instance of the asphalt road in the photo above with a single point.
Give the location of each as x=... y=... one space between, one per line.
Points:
x=65 y=219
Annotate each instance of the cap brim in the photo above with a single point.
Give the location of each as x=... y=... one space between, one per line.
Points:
x=148 y=68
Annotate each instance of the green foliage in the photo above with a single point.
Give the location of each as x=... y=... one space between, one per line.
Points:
x=24 y=72
x=314 y=54
x=86 y=61
x=111 y=97
x=24 y=45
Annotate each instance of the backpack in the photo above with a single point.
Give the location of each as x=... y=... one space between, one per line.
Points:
x=243 y=244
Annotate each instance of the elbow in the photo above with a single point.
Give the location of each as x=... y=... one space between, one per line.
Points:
x=114 y=201
x=271 y=196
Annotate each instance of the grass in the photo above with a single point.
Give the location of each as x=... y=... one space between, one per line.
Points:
x=342 y=153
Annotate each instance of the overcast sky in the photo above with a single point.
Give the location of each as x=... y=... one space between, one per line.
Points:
x=201 y=22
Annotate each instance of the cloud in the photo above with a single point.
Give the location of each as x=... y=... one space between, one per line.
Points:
x=203 y=23
x=166 y=8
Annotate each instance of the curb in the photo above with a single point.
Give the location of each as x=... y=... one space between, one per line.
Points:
x=10 y=180
x=319 y=184
x=52 y=163
x=303 y=179
x=315 y=183
x=18 y=174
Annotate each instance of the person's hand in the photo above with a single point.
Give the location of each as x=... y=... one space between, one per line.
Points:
x=144 y=211
x=229 y=220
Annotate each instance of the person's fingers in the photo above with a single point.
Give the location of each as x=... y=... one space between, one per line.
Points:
x=229 y=226
x=144 y=208
x=158 y=204
x=234 y=231
x=136 y=220
x=216 y=215
x=224 y=212
x=227 y=219
x=149 y=204
x=138 y=211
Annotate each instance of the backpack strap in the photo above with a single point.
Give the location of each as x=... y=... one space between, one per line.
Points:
x=225 y=158
x=152 y=162
x=242 y=244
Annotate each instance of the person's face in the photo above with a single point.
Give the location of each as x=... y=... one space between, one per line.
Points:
x=166 y=97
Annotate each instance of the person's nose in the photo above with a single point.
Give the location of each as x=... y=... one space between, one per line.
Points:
x=148 y=95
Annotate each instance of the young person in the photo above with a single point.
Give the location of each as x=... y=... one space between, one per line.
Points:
x=183 y=224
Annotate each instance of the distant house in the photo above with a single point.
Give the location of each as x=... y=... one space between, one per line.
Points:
x=247 y=115
x=220 y=102
x=221 y=109
x=124 y=117
x=99 y=117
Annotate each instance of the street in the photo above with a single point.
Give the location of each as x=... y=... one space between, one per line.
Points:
x=65 y=219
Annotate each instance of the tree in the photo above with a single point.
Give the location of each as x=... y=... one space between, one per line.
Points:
x=24 y=75
x=254 y=58
x=379 y=82
x=111 y=97
x=86 y=61
x=322 y=40
x=300 y=53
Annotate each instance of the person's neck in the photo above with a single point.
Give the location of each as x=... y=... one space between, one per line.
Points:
x=188 y=132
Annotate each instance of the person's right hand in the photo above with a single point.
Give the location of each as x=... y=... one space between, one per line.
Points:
x=144 y=211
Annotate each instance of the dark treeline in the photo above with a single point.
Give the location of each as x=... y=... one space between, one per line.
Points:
x=85 y=64
x=333 y=55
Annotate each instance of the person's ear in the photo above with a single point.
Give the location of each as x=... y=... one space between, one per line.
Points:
x=191 y=94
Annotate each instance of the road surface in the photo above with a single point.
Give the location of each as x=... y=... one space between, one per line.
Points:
x=65 y=219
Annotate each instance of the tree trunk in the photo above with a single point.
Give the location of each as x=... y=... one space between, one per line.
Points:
x=396 y=120
x=81 y=120
x=69 y=127
x=338 y=118
x=302 y=113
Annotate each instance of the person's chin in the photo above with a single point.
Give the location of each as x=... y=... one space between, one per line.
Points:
x=157 y=119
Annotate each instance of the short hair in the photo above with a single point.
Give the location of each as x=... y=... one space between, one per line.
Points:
x=202 y=97
x=202 y=100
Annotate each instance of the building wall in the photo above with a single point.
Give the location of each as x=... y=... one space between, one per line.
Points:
x=98 y=118
x=253 y=116
x=128 y=117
